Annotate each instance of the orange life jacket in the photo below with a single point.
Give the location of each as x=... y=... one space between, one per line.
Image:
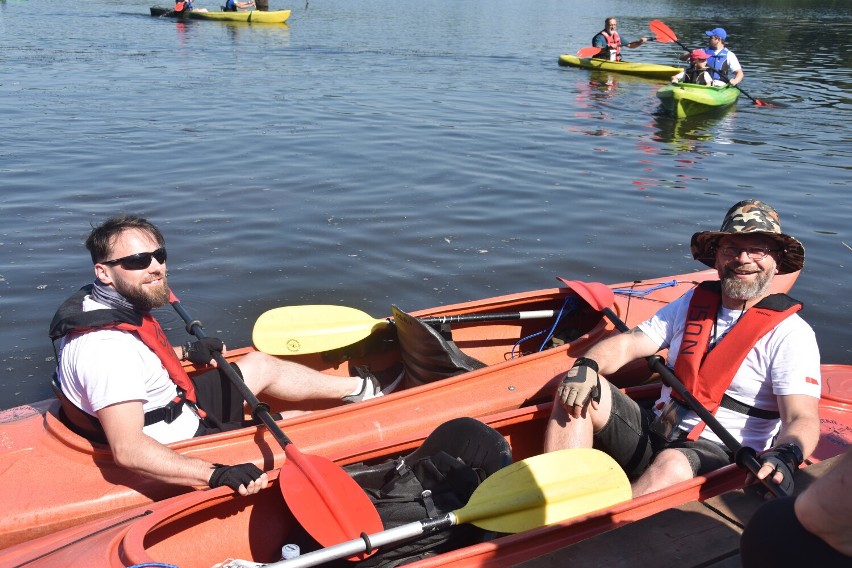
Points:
x=706 y=373
x=71 y=319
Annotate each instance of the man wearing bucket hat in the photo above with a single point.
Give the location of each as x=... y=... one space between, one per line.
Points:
x=724 y=64
x=745 y=354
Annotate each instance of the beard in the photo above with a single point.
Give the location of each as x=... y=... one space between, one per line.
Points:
x=144 y=297
x=737 y=289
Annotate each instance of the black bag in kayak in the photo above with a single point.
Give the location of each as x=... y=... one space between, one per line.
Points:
x=435 y=479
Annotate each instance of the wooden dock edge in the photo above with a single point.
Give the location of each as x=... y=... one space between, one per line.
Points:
x=697 y=534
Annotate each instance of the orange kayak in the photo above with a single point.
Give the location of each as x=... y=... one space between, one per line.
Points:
x=52 y=479
x=205 y=528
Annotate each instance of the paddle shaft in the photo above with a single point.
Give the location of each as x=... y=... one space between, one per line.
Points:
x=478 y=318
x=368 y=542
x=259 y=410
x=743 y=456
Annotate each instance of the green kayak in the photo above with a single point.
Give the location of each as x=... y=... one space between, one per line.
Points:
x=255 y=16
x=652 y=70
x=686 y=99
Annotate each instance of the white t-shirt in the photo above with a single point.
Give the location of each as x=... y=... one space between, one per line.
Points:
x=785 y=361
x=101 y=368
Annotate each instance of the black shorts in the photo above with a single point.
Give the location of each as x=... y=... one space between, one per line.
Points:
x=221 y=401
x=627 y=437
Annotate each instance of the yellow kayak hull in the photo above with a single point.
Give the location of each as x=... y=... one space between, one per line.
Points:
x=651 y=70
x=253 y=16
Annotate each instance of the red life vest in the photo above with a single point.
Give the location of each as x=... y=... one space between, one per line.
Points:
x=707 y=375
x=71 y=319
x=614 y=42
x=154 y=338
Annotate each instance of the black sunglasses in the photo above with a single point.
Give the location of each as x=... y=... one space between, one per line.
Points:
x=140 y=260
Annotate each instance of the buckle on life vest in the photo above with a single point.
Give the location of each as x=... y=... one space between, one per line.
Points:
x=167 y=413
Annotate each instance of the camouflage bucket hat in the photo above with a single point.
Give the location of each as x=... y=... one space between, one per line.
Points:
x=750 y=216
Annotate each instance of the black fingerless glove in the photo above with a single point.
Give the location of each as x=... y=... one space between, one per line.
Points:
x=201 y=352
x=234 y=475
x=785 y=458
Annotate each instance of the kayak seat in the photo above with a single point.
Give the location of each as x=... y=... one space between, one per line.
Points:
x=427 y=354
x=469 y=440
x=77 y=421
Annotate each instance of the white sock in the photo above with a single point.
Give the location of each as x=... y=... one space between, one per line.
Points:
x=360 y=388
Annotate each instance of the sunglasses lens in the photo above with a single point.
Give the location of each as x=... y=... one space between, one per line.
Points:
x=142 y=260
x=139 y=261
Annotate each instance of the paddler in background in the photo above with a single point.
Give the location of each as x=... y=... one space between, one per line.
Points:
x=723 y=64
x=186 y=5
x=697 y=73
x=610 y=42
x=236 y=5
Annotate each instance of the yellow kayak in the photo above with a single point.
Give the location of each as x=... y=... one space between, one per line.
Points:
x=652 y=70
x=255 y=16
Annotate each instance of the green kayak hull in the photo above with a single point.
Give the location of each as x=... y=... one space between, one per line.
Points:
x=255 y=16
x=685 y=99
x=652 y=70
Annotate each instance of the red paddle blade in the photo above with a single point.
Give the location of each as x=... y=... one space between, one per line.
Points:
x=599 y=296
x=325 y=500
x=664 y=33
x=588 y=52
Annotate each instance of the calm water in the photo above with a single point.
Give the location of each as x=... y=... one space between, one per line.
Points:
x=419 y=153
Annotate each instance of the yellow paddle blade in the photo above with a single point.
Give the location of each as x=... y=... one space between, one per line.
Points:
x=297 y=330
x=546 y=489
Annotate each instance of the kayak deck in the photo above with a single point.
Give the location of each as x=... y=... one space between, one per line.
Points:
x=253 y=16
x=685 y=99
x=651 y=70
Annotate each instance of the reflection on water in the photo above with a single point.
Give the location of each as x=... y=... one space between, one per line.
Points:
x=684 y=134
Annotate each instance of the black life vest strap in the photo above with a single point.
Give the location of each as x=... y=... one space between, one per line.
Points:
x=84 y=424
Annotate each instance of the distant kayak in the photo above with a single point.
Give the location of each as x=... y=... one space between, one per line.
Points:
x=686 y=99
x=255 y=16
x=652 y=70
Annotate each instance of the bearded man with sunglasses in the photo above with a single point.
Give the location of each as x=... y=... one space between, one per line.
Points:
x=745 y=354
x=123 y=383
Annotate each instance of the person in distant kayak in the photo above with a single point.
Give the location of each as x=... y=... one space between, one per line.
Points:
x=122 y=378
x=813 y=529
x=745 y=354
x=724 y=65
x=235 y=5
x=697 y=73
x=186 y=6
x=610 y=42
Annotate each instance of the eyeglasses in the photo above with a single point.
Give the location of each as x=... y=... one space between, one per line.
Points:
x=140 y=260
x=754 y=253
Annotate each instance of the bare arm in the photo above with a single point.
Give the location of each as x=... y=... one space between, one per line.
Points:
x=825 y=508
x=738 y=77
x=616 y=351
x=799 y=425
x=138 y=452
